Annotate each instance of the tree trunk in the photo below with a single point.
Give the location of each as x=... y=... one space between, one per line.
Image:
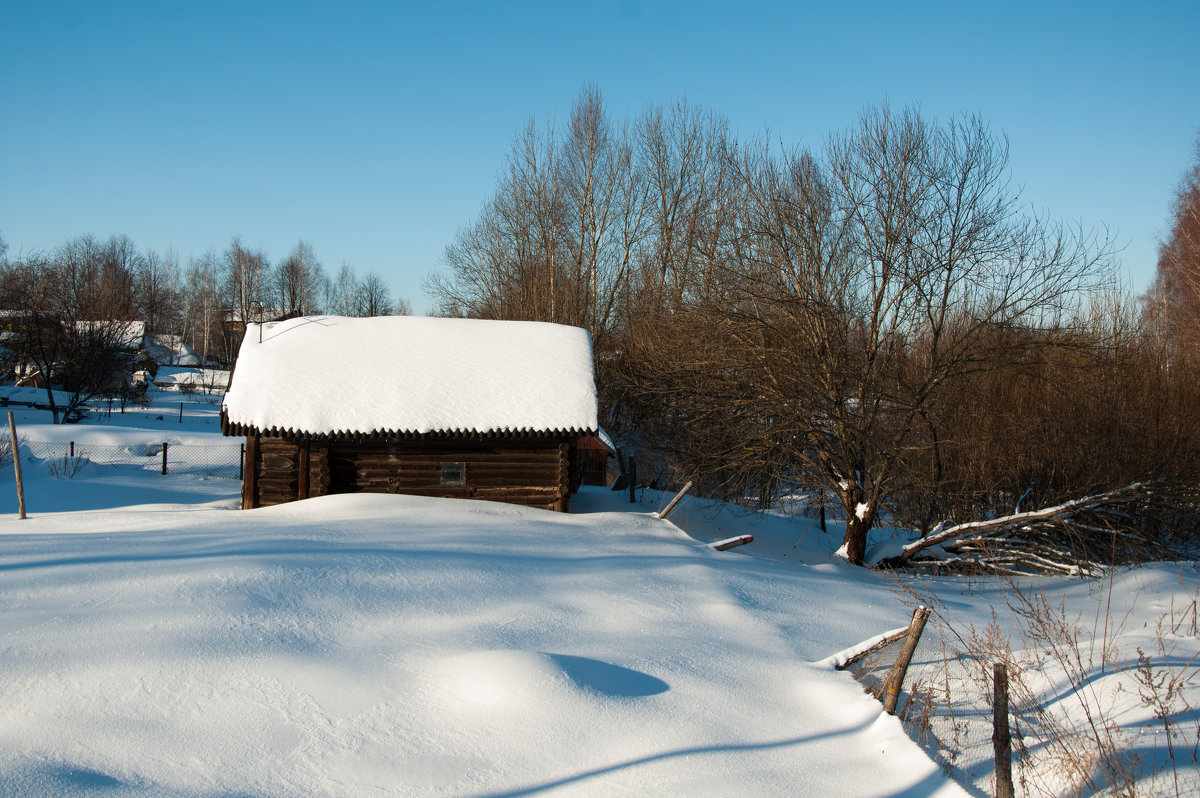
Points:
x=50 y=399
x=855 y=542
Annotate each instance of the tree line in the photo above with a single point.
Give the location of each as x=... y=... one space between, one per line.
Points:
x=68 y=314
x=881 y=321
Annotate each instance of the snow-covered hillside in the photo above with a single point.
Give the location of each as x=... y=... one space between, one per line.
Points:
x=156 y=641
x=381 y=645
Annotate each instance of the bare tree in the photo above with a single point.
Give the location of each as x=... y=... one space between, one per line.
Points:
x=201 y=301
x=510 y=262
x=245 y=271
x=157 y=293
x=72 y=315
x=374 y=297
x=867 y=289
x=297 y=282
x=682 y=154
x=785 y=320
x=1176 y=293
x=343 y=291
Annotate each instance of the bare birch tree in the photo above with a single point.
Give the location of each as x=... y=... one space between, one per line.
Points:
x=297 y=282
x=561 y=235
x=201 y=301
x=245 y=271
x=157 y=293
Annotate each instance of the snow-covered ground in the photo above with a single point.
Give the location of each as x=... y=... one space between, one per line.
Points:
x=154 y=640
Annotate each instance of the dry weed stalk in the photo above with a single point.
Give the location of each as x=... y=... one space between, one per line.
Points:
x=67 y=466
x=1065 y=730
x=1160 y=687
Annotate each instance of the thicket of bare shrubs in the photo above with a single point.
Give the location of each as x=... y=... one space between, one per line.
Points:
x=882 y=322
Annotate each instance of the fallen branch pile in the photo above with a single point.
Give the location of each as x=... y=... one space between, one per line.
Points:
x=1136 y=523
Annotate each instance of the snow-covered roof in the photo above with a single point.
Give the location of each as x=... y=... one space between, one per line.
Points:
x=333 y=376
x=178 y=376
x=170 y=350
x=125 y=334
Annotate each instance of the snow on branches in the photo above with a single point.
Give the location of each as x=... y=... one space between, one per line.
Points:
x=1077 y=537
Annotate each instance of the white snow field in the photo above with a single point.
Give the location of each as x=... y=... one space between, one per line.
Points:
x=156 y=641
x=380 y=645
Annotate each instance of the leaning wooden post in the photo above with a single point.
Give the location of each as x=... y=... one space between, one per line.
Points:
x=671 y=505
x=16 y=456
x=1001 y=739
x=895 y=679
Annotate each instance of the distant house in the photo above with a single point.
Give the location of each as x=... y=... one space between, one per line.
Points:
x=171 y=350
x=400 y=404
x=232 y=321
x=189 y=380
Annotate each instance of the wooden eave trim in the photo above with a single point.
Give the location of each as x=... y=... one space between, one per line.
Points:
x=349 y=436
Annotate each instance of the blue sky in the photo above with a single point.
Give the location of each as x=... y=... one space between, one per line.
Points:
x=375 y=130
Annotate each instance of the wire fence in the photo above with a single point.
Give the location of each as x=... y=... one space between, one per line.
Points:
x=164 y=458
x=946 y=705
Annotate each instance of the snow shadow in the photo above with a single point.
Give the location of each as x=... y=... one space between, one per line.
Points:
x=57 y=778
x=61 y=778
x=929 y=785
x=606 y=679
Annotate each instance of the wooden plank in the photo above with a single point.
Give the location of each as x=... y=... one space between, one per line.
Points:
x=302 y=476
x=250 y=478
x=319 y=475
x=732 y=543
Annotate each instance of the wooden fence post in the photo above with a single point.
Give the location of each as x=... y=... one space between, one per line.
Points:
x=164 y=466
x=1001 y=739
x=671 y=506
x=895 y=679
x=632 y=474
x=16 y=456
x=242 y=461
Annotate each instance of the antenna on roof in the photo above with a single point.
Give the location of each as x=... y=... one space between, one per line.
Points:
x=260 y=320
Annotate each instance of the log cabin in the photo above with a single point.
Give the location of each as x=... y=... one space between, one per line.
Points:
x=460 y=408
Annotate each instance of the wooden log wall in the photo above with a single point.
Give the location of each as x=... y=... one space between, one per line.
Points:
x=278 y=469
x=318 y=470
x=534 y=473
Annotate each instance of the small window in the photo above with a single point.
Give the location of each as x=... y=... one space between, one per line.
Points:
x=454 y=473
